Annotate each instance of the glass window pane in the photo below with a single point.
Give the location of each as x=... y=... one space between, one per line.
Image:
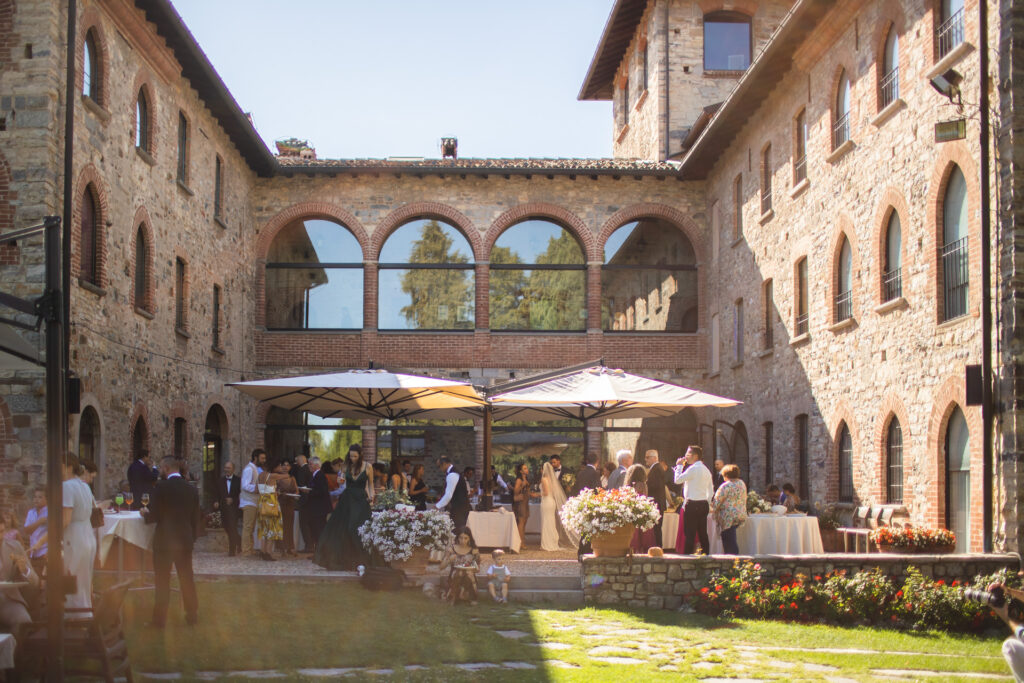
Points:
x=648 y=242
x=314 y=298
x=954 y=207
x=89 y=67
x=892 y=51
x=726 y=45
x=845 y=267
x=538 y=300
x=893 y=242
x=843 y=96
x=426 y=299
x=958 y=442
x=537 y=241
x=140 y=269
x=315 y=241
x=426 y=241
x=649 y=299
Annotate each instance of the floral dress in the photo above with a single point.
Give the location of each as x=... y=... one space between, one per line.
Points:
x=730 y=504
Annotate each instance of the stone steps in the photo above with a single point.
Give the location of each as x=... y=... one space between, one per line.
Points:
x=562 y=590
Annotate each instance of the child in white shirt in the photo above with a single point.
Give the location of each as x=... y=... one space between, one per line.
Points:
x=499 y=577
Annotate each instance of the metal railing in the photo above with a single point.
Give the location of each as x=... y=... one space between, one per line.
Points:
x=951 y=33
x=892 y=285
x=766 y=201
x=800 y=170
x=844 y=306
x=841 y=131
x=802 y=324
x=890 y=87
x=955 y=279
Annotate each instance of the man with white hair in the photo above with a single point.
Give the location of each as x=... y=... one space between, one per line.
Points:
x=618 y=477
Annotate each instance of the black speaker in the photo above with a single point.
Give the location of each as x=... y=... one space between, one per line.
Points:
x=974 y=385
x=74 y=396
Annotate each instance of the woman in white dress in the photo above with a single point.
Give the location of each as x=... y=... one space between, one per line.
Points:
x=552 y=533
x=79 y=538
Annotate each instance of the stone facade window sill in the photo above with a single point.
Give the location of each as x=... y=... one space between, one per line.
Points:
x=145 y=156
x=800 y=339
x=764 y=353
x=712 y=375
x=840 y=152
x=182 y=332
x=737 y=242
x=217 y=350
x=144 y=313
x=842 y=325
x=185 y=188
x=799 y=188
x=91 y=287
x=96 y=108
x=736 y=364
x=947 y=62
x=725 y=73
x=220 y=222
x=766 y=216
x=888 y=112
x=622 y=133
x=947 y=324
x=640 y=100
x=894 y=304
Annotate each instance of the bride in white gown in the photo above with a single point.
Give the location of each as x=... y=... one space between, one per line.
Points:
x=552 y=533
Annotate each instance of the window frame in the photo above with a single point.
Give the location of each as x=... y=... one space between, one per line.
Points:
x=802 y=290
x=143 y=128
x=727 y=17
x=844 y=462
x=892 y=278
x=894 y=452
x=768 y=302
x=218 y=189
x=89 y=268
x=142 y=277
x=842 y=105
x=737 y=205
x=800 y=138
x=92 y=67
x=737 y=332
x=889 y=74
x=215 y=318
x=184 y=138
x=766 y=179
x=954 y=256
x=180 y=295
x=843 y=299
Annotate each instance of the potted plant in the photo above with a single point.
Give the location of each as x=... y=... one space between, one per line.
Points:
x=404 y=537
x=915 y=539
x=608 y=518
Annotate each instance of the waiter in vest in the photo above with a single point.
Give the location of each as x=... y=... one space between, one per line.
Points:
x=456 y=497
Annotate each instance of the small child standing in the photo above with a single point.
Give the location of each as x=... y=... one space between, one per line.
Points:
x=500 y=576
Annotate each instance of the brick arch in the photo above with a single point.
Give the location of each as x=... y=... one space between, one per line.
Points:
x=949 y=395
x=311 y=210
x=563 y=217
x=90 y=21
x=685 y=223
x=180 y=410
x=844 y=229
x=90 y=176
x=417 y=210
x=144 y=82
x=140 y=412
x=8 y=38
x=748 y=7
x=9 y=253
x=956 y=153
x=143 y=223
x=841 y=415
x=833 y=96
x=891 y=407
x=91 y=400
x=892 y=200
x=890 y=17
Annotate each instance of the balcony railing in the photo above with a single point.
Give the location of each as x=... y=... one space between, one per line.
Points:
x=800 y=170
x=802 y=324
x=841 y=131
x=890 y=87
x=951 y=33
x=955 y=278
x=766 y=201
x=892 y=285
x=844 y=306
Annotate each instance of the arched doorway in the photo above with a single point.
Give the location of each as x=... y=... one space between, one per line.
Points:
x=89 y=434
x=214 y=435
x=958 y=480
x=741 y=450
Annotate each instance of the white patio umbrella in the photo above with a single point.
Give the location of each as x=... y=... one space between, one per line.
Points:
x=368 y=394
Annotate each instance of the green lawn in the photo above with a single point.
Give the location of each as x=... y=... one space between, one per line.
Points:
x=289 y=626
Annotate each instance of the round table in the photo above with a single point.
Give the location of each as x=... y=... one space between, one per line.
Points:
x=670 y=528
x=769 y=534
x=124 y=527
x=494 y=530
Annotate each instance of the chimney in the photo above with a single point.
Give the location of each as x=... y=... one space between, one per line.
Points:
x=449 y=148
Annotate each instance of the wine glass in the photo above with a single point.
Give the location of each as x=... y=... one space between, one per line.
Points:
x=145 y=500
x=129 y=498
x=119 y=500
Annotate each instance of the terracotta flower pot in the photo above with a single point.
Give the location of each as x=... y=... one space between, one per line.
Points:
x=614 y=544
x=416 y=565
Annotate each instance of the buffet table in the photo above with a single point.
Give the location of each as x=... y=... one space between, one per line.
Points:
x=495 y=529
x=533 y=523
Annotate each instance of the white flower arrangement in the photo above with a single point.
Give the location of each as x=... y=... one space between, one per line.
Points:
x=600 y=512
x=395 y=534
x=756 y=504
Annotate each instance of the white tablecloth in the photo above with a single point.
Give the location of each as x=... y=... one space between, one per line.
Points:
x=533 y=523
x=6 y=651
x=129 y=527
x=670 y=528
x=779 y=535
x=494 y=530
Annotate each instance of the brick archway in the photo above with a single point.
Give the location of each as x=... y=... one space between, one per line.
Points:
x=311 y=210
x=842 y=415
x=90 y=21
x=891 y=407
x=143 y=223
x=684 y=223
x=141 y=412
x=144 y=83
x=844 y=230
x=948 y=396
x=90 y=176
x=417 y=210
x=892 y=201
x=552 y=212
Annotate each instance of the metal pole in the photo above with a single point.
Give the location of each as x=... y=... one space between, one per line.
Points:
x=488 y=476
x=56 y=440
x=69 y=170
x=986 y=290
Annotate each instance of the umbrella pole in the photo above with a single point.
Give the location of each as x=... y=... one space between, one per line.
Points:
x=488 y=476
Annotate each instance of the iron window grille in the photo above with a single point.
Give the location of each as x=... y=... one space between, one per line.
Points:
x=841 y=131
x=800 y=169
x=955 y=278
x=951 y=33
x=802 y=324
x=894 y=460
x=892 y=285
x=844 y=306
x=890 y=87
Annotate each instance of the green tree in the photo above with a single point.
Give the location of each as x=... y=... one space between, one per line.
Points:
x=509 y=308
x=557 y=297
x=438 y=298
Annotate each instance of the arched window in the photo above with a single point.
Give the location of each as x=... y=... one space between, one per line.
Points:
x=844 y=289
x=892 y=278
x=142 y=135
x=140 y=439
x=727 y=41
x=958 y=479
x=649 y=264
x=845 y=465
x=894 y=462
x=89 y=436
x=89 y=237
x=314 y=277
x=91 y=76
x=955 y=278
x=841 y=127
x=142 y=274
x=802 y=322
x=426 y=279
x=180 y=436
x=538 y=279
x=741 y=450
x=951 y=27
x=890 y=82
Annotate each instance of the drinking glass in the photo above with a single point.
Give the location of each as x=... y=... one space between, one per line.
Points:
x=129 y=498
x=145 y=500
x=119 y=501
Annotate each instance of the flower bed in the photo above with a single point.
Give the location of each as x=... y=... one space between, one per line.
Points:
x=867 y=597
x=914 y=539
x=395 y=534
x=601 y=512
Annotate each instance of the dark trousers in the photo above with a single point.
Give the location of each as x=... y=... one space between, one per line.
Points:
x=695 y=525
x=288 y=521
x=182 y=561
x=229 y=520
x=459 y=517
x=729 y=544
x=658 y=540
x=304 y=529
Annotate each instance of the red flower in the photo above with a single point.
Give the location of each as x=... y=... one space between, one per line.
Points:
x=894 y=618
x=955 y=583
x=817 y=577
x=785 y=589
x=940 y=582
x=705 y=590
x=793 y=605
x=718 y=587
x=899 y=593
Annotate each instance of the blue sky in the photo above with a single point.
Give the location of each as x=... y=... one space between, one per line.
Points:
x=378 y=79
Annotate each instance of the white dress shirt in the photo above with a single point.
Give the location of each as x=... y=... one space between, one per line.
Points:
x=696 y=481
x=249 y=495
x=451 y=480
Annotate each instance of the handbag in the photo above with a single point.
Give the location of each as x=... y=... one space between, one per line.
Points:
x=268 y=505
x=96 y=518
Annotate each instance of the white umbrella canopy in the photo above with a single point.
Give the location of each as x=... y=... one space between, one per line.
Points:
x=367 y=394
x=600 y=392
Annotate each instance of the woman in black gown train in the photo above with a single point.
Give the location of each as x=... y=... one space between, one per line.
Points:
x=339 y=547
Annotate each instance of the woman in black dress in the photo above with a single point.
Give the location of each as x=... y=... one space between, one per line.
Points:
x=340 y=547
x=418 y=488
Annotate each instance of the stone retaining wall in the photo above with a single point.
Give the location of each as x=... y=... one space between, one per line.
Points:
x=662 y=582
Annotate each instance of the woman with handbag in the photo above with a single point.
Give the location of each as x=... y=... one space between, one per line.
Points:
x=269 y=525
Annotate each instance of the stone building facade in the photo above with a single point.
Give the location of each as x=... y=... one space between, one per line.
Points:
x=741 y=242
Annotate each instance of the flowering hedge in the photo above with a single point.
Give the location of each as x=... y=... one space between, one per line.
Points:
x=915 y=537
x=395 y=534
x=867 y=597
x=599 y=512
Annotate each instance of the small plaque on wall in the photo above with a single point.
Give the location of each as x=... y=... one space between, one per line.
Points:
x=945 y=131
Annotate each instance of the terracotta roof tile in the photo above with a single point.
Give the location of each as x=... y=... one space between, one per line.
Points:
x=604 y=166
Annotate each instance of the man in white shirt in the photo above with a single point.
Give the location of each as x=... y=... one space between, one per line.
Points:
x=695 y=477
x=248 y=499
x=456 y=495
x=618 y=477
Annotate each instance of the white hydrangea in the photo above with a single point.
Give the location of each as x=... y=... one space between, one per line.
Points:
x=600 y=512
x=395 y=534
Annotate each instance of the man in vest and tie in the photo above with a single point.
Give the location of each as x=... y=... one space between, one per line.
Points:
x=456 y=495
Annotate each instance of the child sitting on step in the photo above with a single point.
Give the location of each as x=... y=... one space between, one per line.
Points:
x=499 y=577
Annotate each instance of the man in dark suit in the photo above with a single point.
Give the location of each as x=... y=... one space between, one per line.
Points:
x=303 y=476
x=656 y=478
x=141 y=478
x=174 y=508
x=556 y=465
x=456 y=494
x=228 y=488
x=318 y=503
x=588 y=478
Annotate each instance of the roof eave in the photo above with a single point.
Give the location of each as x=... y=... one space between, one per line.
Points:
x=584 y=93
